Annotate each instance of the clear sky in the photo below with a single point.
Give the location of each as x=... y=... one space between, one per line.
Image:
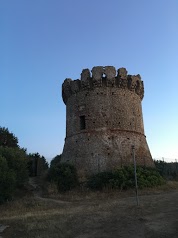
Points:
x=42 y=42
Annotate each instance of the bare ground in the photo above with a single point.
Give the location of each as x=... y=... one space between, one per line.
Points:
x=93 y=216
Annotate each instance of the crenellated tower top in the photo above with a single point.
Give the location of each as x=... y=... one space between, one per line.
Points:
x=103 y=77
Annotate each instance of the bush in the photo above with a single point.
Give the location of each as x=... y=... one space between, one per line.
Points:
x=7 y=181
x=100 y=180
x=64 y=175
x=149 y=177
x=17 y=162
x=123 y=178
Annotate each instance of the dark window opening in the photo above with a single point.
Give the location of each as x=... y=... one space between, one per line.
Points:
x=82 y=123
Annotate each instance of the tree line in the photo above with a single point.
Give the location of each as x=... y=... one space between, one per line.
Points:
x=16 y=165
x=169 y=170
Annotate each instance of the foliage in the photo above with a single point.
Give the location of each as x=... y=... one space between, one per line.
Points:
x=7 y=181
x=167 y=170
x=56 y=160
x=37 y=164
x=149 y=177
x=13 y=165
x=123 y=178
x=64 y=175
x=100 y=180
x=7 y=139
x=17 y=162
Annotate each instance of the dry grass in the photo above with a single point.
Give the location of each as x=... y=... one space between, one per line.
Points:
x=84 y=194
x=87 y=214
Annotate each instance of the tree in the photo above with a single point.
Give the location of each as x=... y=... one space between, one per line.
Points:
x=16 y=159
x=64 y=175
x=168 y=170
x=37 y=164
x=8 y=139
x=56 y=160
x=7 y=181
x=13 y=165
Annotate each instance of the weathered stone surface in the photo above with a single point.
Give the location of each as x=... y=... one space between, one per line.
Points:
x=85 y=75
x=104 y=121
x=85 y=79
x=110 y=73
x=141 y=90
x=133 y=82
x=122 y=81
x=66 y=89
x=122 y=73
x=140 y=87
x=75 y=86
x=97 y=74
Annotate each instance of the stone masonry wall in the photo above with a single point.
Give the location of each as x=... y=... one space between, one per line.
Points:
x=103 y=120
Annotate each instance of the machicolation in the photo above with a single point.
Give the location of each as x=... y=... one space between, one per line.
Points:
x=103 y=120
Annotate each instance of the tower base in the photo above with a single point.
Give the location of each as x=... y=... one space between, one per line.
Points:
x=104 y=150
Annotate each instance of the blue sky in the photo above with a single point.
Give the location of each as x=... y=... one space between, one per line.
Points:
x=42 y=42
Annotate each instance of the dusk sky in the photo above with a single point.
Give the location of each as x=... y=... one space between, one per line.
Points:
x=42 y=42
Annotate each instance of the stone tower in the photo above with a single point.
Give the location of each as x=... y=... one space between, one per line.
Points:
x=103 y=120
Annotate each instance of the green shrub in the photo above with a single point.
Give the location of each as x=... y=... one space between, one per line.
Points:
x=149 y=177
x=100 y=180
x=64 y=175
x=52 y=175
x=123 y=178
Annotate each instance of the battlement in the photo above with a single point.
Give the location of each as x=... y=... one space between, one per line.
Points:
x=103 y=77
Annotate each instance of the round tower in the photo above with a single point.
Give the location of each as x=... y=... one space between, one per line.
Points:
x=103 y=120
